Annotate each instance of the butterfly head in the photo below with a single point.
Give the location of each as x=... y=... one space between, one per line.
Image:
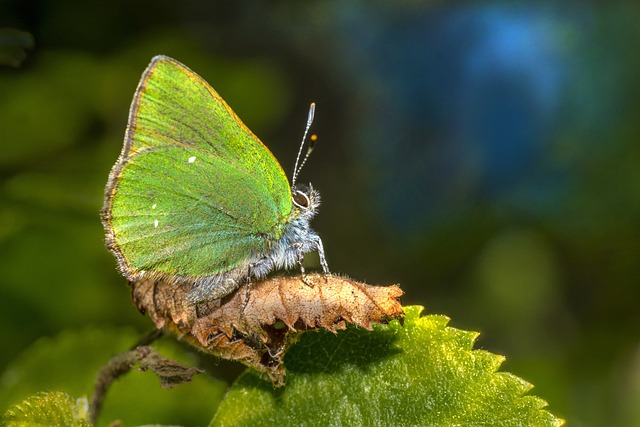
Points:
x=305 y=199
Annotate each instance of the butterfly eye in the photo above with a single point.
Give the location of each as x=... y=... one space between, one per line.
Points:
x=301 y=200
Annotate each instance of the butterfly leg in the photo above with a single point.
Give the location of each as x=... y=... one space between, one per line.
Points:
x=277 y=355
x=250 y=274
x=297 y=248
x=299 y=258
x=247 y=293
x=254 y=272
x=323 y=259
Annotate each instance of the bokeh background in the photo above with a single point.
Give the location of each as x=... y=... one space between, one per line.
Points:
x=485 y=155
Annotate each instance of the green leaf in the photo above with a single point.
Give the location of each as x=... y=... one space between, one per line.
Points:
x=419 y=373
x=47 y=409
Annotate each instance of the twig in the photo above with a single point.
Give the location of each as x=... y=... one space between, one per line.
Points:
x=116 y=367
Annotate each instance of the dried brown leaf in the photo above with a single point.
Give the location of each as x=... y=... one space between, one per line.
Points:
x=258 y=332
x=170 y=372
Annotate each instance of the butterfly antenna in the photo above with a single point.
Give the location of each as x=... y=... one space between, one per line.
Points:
x=296 y=169
x=312 y=144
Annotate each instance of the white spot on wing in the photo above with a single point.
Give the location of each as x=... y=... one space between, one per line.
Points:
x=192 y=159
x=155 y=223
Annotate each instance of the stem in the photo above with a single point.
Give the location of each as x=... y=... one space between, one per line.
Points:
x=116 y=367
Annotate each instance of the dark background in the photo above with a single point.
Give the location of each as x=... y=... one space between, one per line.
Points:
x=484 y=155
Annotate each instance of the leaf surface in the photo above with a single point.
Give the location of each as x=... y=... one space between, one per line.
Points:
x=421 y=373
x=47 y=409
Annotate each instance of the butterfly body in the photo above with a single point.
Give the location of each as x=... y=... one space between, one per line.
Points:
x=195 y=197
x=284 y=253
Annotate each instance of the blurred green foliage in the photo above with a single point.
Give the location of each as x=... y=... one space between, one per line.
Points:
x=483 y=155
x=12 y=46
x=69 y=363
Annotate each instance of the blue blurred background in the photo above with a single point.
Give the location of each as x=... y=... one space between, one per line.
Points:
x=485 y=155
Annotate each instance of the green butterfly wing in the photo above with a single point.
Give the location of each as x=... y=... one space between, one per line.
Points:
x=194 y=192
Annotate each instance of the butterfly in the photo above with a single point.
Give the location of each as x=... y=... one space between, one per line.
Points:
x=196 y=198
